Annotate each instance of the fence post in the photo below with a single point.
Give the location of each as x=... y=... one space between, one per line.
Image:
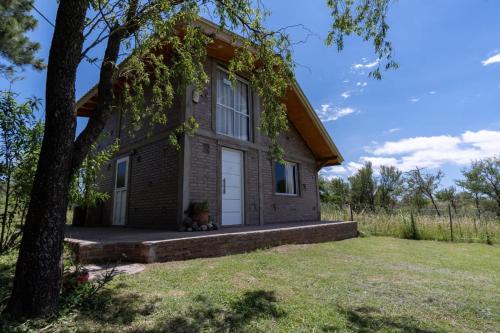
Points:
x=451 y=222
x=350 y=209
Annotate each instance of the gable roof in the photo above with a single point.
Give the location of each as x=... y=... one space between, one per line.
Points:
x=299 y=109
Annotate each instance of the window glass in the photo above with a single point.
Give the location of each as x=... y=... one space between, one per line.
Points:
x=232 y=114
x=121 y=174
x=280 y=178
x=286 y=178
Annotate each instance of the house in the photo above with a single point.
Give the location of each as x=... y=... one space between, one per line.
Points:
x=226 y=163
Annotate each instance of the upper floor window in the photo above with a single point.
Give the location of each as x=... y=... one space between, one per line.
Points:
x=232 y=116
x=286 y=179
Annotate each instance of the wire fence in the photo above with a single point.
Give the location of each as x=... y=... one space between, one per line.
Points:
x=444 y=224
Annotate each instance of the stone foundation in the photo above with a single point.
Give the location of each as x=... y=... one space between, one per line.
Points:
x=209 y=244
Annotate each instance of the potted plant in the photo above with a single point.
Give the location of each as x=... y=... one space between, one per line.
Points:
x=200 y=212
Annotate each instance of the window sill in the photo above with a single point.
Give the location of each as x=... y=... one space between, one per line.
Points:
x=226 y=136
x=286 y=194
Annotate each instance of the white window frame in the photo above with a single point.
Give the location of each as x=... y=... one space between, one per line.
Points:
x=233 y=110
x=295 y=179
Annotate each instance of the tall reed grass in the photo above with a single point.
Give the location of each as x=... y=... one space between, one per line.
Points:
x=426 y=224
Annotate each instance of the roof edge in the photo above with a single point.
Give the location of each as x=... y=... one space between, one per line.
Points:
x=317 y=121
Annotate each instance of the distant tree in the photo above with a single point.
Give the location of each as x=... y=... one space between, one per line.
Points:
x=483 y=179
x=472 y=184
x=490 y=176
x=335 y=191
x=414 y=198
x=424 y=184
x=448 y=195
x=15 y=48
x=323 y=185
x=363 y=187
x=390 y=186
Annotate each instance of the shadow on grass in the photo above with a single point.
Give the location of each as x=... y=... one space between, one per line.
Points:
x=114 y=307
x=370 y=319
x=107 y=307
x=204 y=316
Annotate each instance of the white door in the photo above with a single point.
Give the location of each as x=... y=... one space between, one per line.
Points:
x=232 y=187
x=120 y=195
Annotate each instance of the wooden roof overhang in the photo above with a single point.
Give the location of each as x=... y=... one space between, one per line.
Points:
x=300 y=112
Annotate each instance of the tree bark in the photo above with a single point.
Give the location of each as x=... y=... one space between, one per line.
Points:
x=38 y=276
x=476 y=200
x=105 y=101
x=434 y=204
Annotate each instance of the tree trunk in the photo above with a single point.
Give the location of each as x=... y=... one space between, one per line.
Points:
x=434 y=204
x=476 y=200
x=37 y=281
x=498 y=206
x=6 y=208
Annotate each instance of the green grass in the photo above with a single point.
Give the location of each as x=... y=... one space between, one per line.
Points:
x=359 y=285
x=430 y=227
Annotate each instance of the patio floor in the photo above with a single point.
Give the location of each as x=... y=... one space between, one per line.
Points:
x=110 y=244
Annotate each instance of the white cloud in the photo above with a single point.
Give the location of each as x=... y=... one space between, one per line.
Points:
x=346 y=94
x=435 y=151
x=392 y=130
x=366 y=65
x=432 y=92
x=329 y=112
x=333 y=171
x=361 y=84
x=491 y=60
x=414 y=99
x=415 y=144
x=352 y=167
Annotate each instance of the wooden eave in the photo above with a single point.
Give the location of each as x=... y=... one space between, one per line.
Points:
x=300 y=112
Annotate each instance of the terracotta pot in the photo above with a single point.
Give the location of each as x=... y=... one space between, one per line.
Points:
x=201 y=218
x=82 y=278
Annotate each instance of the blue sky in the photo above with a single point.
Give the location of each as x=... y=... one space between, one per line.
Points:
x=441 y=108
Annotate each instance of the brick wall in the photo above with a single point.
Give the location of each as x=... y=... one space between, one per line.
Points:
x=153 y=187
x=152 y=191
x=252 y=187
x=203 y=176
x=304 y=206
x=210 y=244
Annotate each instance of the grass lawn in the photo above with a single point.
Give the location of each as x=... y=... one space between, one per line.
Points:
x=358 y=285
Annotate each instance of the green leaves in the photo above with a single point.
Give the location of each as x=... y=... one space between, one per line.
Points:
x=483 y=179
x=85 y=190
x=167 y=52
x=16 y=49
x=20 y=142
x=364 y=18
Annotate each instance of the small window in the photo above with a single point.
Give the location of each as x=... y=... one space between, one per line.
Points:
x=121 y=174
x=232 y=116
x=286 y=178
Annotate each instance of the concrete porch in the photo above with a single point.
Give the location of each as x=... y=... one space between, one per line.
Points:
x=94 y=245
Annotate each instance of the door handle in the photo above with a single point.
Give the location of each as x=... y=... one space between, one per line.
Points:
x=224 y=186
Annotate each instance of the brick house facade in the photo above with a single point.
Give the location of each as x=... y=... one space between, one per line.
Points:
x=161 y=182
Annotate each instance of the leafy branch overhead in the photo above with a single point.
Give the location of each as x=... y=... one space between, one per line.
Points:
x=163 y=50
x=367 y=19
